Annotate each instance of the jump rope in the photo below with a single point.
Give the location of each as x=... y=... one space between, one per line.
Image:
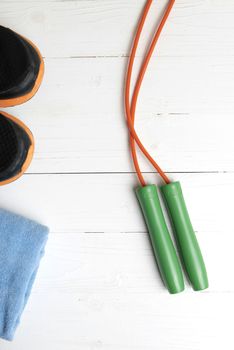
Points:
x=147 y=194
x=17 y=145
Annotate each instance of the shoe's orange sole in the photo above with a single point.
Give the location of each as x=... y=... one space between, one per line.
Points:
x=21 y=99
x=30 y=150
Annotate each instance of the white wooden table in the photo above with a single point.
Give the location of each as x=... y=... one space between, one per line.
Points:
x=98 y=286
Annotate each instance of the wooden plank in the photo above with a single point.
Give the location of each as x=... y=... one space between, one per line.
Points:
x=184 y=99
x=185 y=118
x=90 y=28
x=102 y=289
x=102 y=210
x=78 y=263
x=125 y=321
x=107 y=203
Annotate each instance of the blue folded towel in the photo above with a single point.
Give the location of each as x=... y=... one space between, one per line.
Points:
x=22 y=243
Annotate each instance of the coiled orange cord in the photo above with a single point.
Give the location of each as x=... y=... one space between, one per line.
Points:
x=131 y=110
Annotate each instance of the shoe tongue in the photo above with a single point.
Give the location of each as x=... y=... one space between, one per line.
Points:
x=13 y=58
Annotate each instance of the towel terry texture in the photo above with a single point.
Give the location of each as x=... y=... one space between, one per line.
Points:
x=22 y=244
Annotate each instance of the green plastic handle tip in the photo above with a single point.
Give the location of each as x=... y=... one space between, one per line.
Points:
x=163 y=247
x=187 y=242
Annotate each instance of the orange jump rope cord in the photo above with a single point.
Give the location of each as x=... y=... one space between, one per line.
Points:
x=130 y=112
x=127 y=87
x=142 y=74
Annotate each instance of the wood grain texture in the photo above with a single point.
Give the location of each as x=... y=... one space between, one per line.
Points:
x=103 y=27
x=186 y=103
x=98 y=286
x=184 y=116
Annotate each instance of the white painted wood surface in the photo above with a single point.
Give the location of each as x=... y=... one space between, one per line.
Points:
x=98 y=287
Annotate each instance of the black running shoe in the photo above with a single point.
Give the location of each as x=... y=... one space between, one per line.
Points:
x=16 y=148
x=21 y=68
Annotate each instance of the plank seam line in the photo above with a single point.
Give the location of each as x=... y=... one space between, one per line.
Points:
x=127 y=172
